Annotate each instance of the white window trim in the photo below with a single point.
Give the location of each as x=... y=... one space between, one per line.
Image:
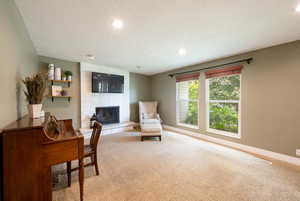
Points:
x=216 y=131
x=178 y=123
x=224 y=133
x=187 y=125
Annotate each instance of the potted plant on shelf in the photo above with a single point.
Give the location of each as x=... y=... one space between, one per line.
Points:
x=35 y=93
x=68 y=74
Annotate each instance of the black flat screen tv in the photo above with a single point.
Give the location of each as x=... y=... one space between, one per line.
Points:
x=107 y=83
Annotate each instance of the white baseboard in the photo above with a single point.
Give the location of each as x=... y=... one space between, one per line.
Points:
x=246 y=148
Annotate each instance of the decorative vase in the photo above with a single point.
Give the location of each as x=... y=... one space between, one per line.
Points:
x=35 y=110
x=64 y=78
x=64 y=93
x=57 y=74
x=51 y=72
x=70 y=77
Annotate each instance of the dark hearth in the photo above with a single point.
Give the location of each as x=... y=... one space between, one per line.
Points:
x=108 y=115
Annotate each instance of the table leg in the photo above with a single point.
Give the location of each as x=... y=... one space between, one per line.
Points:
x=47 y=185
x=81 y=178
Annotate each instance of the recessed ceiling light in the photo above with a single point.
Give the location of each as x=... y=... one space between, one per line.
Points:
x=117 y=24
x=298 y=8
x=90 y=57
x=182 y=51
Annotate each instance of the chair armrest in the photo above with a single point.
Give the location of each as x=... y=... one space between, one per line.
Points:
x=142 y=118
x=158 y=117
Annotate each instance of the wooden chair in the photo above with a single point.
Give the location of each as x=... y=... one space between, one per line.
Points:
x=90 y=150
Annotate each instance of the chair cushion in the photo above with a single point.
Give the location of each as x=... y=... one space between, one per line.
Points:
x=149 y=115
x=150 y=121
x=151 y=127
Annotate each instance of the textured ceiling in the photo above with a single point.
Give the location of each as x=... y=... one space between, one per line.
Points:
x=154 y=30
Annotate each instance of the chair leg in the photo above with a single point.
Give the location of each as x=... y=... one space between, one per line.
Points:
x=69 y=172
x=96 y=164
x=92 y=159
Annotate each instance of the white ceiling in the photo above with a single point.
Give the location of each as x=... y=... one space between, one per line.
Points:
x=154 y=30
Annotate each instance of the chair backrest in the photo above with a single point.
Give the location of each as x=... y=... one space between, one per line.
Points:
x=97 y=128
x=147 y=110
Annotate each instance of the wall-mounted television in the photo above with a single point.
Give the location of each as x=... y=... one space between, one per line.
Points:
x=107 y=83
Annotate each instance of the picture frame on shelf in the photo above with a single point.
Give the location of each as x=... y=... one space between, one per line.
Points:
x=56 y=90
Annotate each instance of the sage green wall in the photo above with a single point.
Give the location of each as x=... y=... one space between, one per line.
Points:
x=18 y=59
x=140 y=90
x=270 y=98
x=61 y=108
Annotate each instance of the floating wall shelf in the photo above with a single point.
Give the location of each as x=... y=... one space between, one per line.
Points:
x=59 y=82
x=53 y=97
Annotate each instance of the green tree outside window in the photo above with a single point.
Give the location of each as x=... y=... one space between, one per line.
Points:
x=193 y=91
x=224 y=95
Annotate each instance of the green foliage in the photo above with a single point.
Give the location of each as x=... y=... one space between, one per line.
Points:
x=224 y=116
x=224 y=88
x=35 y=88
x=194 y=90
x=192 y=115
x=68 y=73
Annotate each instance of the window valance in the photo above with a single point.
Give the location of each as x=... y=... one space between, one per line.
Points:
x=224 y=71
x=187 y=77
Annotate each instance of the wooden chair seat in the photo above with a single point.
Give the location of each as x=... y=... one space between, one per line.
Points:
x=90 y=150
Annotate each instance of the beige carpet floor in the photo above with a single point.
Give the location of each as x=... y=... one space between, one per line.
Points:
x=179 y=168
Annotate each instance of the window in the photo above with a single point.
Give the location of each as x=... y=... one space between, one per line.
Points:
x=223 y=104
x=188 y=102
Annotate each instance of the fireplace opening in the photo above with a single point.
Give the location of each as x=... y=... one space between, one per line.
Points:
x=108 y=115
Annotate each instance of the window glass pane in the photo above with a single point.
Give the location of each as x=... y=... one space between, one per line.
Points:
x=187 y=103
x=224 y=88
x=188 y=112
x=224 y=116
x=188 y=90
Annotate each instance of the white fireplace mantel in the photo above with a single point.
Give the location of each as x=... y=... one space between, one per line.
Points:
x=89 y=100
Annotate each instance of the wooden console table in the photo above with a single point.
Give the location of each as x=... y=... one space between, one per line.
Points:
x=27 y=154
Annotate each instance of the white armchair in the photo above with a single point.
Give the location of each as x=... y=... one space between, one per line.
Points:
x=150 y=121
